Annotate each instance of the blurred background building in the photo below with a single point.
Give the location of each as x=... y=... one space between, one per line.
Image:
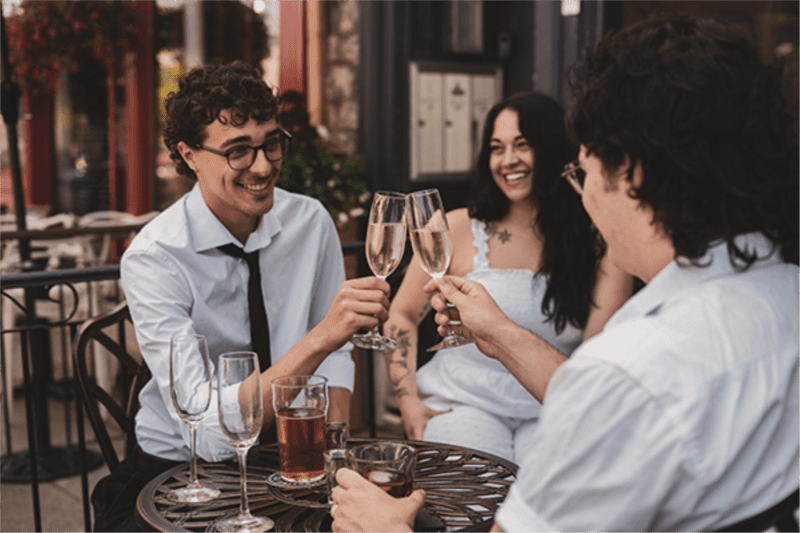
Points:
x=400 y=86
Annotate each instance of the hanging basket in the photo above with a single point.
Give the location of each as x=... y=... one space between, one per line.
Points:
x=46 y=37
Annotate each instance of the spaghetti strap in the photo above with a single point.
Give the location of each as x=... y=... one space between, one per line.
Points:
x=480 y=241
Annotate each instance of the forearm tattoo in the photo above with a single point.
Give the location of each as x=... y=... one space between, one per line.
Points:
x=399 y=359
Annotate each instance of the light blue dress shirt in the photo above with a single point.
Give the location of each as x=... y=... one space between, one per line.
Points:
x=682 y=415
x=177 y=282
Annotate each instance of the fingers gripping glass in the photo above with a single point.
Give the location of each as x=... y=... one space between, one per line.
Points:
x=242 y=157
x=385 y=244
x=430 y=238
x=575 y=175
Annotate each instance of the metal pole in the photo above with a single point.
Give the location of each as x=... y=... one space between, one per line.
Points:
x=9 y=106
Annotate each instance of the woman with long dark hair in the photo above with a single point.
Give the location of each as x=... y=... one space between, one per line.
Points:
x=528 y=240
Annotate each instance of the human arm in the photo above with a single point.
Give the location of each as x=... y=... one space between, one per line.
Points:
x=360 y=303
x=160 y=299
x=362 y=506
x=410 y=306
x=603 y=457
x=530 y=359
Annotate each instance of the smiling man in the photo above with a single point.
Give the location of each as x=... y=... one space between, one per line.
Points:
x=189 y=271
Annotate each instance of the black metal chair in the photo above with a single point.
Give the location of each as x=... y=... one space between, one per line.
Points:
x=780 y=516
x=123 y=406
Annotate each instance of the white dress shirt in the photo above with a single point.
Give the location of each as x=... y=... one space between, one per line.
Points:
x=177 y=282
x=682 y=415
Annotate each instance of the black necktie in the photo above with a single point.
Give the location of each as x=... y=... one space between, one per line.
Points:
x=259 y=326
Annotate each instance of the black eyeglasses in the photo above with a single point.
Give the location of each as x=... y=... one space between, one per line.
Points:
x=242 y=157
x=575 y=175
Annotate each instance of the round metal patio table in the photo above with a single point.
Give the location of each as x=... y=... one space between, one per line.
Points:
x=464 y=490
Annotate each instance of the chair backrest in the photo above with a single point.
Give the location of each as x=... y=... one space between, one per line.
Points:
x=135 y=375
x=780 y=517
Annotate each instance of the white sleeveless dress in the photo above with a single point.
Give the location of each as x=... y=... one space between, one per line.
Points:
x=479 y=386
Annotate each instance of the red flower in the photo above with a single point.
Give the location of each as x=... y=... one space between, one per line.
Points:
x=95 y=15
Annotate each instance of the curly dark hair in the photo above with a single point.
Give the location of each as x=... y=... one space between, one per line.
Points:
x=691 y=100
x=203 y=93
x=570 y=252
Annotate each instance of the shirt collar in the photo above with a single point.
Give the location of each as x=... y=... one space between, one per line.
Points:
x=209 y=233
x=680 y=275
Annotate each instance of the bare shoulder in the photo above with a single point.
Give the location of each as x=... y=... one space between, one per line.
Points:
x=461 y=241
x=458 y=220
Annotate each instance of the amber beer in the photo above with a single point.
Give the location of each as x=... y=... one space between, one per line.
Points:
x=393 y=483
x=300 y=403
x=301 y=441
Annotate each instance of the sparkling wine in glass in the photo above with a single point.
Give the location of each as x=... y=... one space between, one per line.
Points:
x=240 y=414
x=385 y=244
x=190 y=389
x=430 y=238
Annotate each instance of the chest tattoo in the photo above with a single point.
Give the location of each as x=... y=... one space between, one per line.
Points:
x=502 y=235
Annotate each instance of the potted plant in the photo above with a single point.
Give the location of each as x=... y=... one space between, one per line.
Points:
x=314 y=168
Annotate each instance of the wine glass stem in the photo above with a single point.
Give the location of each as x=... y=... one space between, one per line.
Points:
x=375 y=332
x=193 y=470
x=453 y=326
x=244 y=506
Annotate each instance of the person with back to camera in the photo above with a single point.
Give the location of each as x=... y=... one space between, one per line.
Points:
x=683 y=414
x=183 y=273
x=527 y=238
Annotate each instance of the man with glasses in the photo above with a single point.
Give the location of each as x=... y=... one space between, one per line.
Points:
x=682 y=414
x=247 y=265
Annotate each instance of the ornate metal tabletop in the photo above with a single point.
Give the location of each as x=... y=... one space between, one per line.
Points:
x=464 y=489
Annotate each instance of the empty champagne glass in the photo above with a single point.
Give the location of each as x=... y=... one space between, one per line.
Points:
x=386 y=242
x=430 y=238
x=190 y=389
x=240 y=414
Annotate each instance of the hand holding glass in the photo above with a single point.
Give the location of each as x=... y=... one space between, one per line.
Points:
x=430 y=238
x=385 y=244
x=190 y=389
x=388 y=464
x=240 y=416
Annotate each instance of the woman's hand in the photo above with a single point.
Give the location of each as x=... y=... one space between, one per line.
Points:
x=415 y=417
x=362 y=506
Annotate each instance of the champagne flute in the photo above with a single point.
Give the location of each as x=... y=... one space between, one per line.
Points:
x=190 y=389
x=386 y=242
x=430 y=238
x=240 y=414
